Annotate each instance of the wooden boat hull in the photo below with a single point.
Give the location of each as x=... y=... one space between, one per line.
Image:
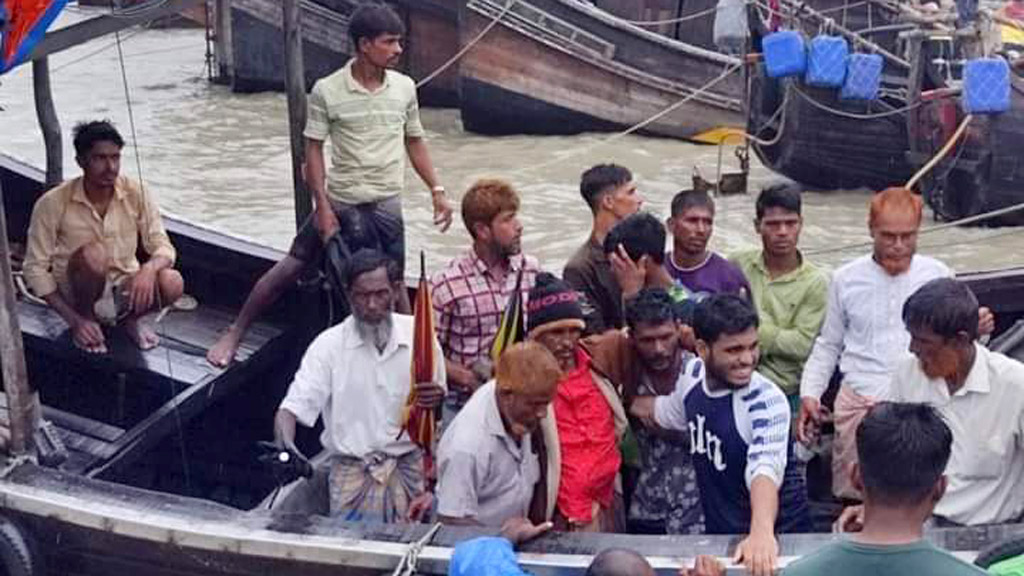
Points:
x=117 y=524
x=258 y=52
x=563 y=67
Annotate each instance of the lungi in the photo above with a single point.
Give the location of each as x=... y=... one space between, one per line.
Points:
x=850 y=409
x=378 y=487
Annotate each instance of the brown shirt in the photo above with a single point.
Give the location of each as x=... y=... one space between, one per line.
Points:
x=590 y=274
x=63 y=220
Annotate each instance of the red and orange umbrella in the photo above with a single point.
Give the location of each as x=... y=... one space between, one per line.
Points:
x=421 y=423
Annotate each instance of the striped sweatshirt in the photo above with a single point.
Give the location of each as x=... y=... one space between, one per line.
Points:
x=736 y=435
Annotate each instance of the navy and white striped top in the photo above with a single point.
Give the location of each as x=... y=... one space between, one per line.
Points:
x=736 y=435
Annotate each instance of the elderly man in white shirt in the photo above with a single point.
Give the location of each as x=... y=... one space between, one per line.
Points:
x=980 y=395
x=862 y=334
x=357 y=376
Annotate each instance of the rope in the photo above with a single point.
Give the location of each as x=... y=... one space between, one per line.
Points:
x=941 y=154
x=687 y=18
x=639 y=126
x=407 y=565
x=469 y=46
x=852 y=115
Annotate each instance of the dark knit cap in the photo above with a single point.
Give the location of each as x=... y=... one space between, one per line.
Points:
x=552 y=303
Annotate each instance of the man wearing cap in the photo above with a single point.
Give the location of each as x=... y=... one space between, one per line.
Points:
x=488 y=468
x=587 y=420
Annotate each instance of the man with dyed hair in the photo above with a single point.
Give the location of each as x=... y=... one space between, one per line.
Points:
x=611 y=194
x=471 y=292
x=861 y=334
x=488 y=472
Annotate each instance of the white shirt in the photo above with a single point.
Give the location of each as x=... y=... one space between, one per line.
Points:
x=986 y=415
x=863 y=330
x=360 y=392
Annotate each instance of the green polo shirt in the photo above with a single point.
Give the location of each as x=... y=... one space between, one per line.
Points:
x=791 y=309
x=367 y=133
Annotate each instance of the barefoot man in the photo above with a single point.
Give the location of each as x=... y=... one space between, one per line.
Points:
x=82 y=245
x=371 y=117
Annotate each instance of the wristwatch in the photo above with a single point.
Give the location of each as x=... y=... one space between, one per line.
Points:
x=437 y=189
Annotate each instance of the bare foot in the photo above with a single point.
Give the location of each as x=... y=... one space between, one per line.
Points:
x=223 y=351
x=143 y=336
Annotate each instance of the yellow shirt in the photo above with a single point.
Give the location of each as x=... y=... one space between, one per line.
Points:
x=64 y=220
x=367 y=132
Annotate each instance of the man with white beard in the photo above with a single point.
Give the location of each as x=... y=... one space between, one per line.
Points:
x=356 y=376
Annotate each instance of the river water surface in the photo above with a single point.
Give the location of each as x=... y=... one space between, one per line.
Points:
x=222 y=160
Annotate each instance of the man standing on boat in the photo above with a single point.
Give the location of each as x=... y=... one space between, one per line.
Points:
x=788 y=291
x=979 y=394
x=611 y=195
x=371 y=116
x=471 y=293
x=700 y=271
x=587 y=421
x=356 y=377
x=645 y=362
x=488 y=469
x=738 y=423
x=862 y=334
x=82 y=244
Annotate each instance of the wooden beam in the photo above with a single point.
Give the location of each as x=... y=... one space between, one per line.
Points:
x=295 y=85
x=48 y=122
x=225 y=48
x=71 y=36
x=22 y=399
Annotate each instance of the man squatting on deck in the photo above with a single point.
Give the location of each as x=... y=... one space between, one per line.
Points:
x=82 y=244
x=371 y=115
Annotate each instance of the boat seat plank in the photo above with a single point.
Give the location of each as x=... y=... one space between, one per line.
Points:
x=87 y=441
x=185 y=336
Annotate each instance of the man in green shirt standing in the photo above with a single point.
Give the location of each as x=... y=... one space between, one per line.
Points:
x=790 y=293
x=903 y=450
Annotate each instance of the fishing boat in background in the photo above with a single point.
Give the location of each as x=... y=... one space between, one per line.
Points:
x=564 y=67
x=254 y=52
x=815 y=137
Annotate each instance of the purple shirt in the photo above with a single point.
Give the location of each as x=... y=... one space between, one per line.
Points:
x=715 y=276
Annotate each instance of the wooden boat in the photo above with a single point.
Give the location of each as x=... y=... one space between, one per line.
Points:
x=564 y=66
x=163 y=479
x=256 y=51
x=827 y=143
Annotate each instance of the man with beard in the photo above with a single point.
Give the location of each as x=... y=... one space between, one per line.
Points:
x=700 y=271
x=979 y=394
x=371 y=115
x=861 y=333
x=611 y=195
x=582 y=435
x=82 y=245
x=788 y=291
x=488 y=470
x=738 y=422
x=356 y=377
x=471 y=292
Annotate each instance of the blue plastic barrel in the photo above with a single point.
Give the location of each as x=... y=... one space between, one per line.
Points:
x=784 y=54
x=826 y=61
x=863 y=77
x=987 y=86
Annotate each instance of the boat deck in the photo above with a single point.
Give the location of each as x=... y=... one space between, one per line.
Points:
x=142 y=396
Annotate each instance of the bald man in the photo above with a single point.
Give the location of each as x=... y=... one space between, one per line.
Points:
x=619 y=562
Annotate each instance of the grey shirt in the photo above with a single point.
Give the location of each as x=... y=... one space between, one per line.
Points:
x=483 y=473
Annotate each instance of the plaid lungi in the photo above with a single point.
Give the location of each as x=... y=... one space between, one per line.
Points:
x=376 y=488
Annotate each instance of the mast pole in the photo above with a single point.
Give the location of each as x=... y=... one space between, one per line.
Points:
x=295 y=84
x=48 y=121
x=22 y=400
x=224 y=46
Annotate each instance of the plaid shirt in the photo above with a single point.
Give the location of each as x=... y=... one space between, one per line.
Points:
x=468 y=301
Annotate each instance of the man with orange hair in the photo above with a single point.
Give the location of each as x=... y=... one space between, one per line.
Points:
x=488 y=471
x=471 y=293
x=862 y=334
